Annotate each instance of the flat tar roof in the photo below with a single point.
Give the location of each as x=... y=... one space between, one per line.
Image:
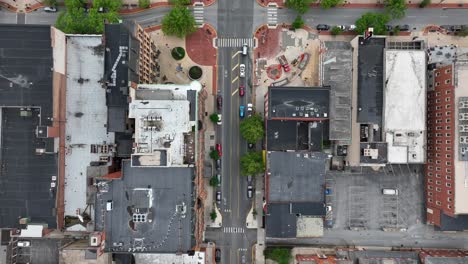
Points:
x=26 y=81
x=405 y=105
x=170 y=231
x=370 y=80
x=446 y=260
x=296 y=177
x=337 y=67
x=298 y=102
x=86 y=116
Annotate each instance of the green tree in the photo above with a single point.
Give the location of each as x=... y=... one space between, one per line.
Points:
x=251 y=128
x=214 y=154
x=214 y=118
x=213 y=215
x=298 y=22
x=374 y=20
x=280 y=255
x=396 y=30
x=301 y=6
x=76 y=21
x=395 y=8
x=325 y=4
x=252 y=163
x=463 y=32
x=180 y=2
x=112 y=5
x=336 y=30
x=50 y=2
x=214 y=181
x=424 y=3
x=144 y=3
x=178 y=22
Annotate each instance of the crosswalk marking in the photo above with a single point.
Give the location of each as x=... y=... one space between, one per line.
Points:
x=272 y=15
x=227 y=210
x=198 y=13
x=234 y=42
x=233 y=230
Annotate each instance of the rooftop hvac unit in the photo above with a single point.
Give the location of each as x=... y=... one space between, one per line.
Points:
x=463 y=128
x=463 y=104
x=464 y=139
x=463 y=116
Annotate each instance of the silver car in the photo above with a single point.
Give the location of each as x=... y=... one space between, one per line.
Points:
x=242 y=70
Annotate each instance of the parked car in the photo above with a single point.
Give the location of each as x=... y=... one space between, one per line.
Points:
x=219 y=149
x=242 y=70
x=389 y=27
x=390 y=191
x=24 y=243
x=218 y=164
x=329 y=208
x=218 y=176
x=249 y=178
x=241 y=111
x=328 y=191
x=50 y=9
x=241 y=90
x=218 y=255
x=323 y=27
x=404 y=27
x=244 y=49
x=220 y=122
x=218 y=197
x=284 y=62
x=249 y=107
x=249 y=191
x=219 y=102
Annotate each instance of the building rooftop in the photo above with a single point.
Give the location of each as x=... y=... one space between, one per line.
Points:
x=163 y=124
x=152 y=210
x=373 y=153
x=446 y=260
x=405 y=105
x=295 y=135
x=26 y=154
x=197 y=258
x=337 y=68
x=461 y=137
x=87 y=139
x=298 y=103
x=370 y=80
x=296 y=177
x=120 y=68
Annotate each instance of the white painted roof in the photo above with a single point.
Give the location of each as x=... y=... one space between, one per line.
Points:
x=405 y=105
x=197 y=258
x=86 y=115
x=161 y=119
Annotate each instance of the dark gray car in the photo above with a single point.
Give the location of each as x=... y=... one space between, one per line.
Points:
x=323 y=27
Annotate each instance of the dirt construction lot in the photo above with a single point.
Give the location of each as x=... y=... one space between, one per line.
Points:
x=358 y=203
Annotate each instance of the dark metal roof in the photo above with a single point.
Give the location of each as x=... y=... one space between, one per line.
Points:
x=280 y=222
x=26 y=81
x=298 y=102
x=370 y=80
x=448 y=223
x=296 y=177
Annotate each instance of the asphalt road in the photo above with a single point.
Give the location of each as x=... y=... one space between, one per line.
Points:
x=235 y=19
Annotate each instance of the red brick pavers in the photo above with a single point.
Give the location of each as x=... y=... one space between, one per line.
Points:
x=205 y=2
x=8 y=6
x=200 y=49
x=268 y=42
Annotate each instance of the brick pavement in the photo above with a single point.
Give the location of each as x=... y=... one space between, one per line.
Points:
x=268 y=42
x=200 y=49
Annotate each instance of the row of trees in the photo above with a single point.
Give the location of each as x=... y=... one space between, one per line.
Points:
x=77 y=19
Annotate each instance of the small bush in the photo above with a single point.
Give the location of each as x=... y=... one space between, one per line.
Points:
x=178 y=53
x=280 y=255
x=144 y=3
x=424 y=3
x=336 y=30
x=195 y=72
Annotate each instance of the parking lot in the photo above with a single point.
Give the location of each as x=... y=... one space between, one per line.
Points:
x=358 y=203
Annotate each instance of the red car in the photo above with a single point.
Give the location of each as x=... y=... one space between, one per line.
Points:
x=241 y=90
x=218 y=148
x=219 y=102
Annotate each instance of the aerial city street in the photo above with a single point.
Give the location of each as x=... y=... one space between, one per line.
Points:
x=234 y=131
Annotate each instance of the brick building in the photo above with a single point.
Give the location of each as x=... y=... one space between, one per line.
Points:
x=440 y=150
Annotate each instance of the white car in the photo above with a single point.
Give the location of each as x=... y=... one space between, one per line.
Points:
x=50 y=9
x=242 y=70
x=24 y=243
x=219 y=120
x=329 y=208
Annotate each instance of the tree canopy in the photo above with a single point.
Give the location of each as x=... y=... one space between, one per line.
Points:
x=75 y=20
x=395 y=8
x=251 y=128
x=178 y=22
x=280 y=255
x=301 y=6
x=374 y=20
x=252 y=163
x=298 y=22
x=325 y=4
x=144 y=3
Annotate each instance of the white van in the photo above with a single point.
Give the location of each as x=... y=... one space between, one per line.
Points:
x=109 y=205
x=24 y=243
x=244 y=49
x=390 y=191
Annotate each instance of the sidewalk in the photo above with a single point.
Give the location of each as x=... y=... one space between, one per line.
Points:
x=259 y=196
x=376 y=4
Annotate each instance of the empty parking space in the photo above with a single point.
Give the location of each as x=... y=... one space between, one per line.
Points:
x=359 y=204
